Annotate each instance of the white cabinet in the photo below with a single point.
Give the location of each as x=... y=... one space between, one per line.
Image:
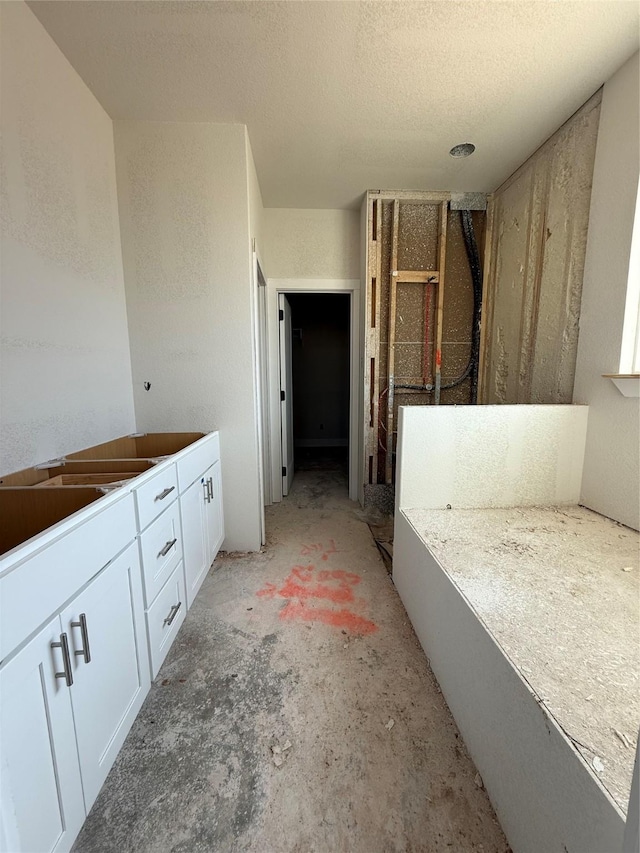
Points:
x=160 y=551
x=68 y=699
x=105 y=626
x=214 y=513
x=164 y=618
x=155 y=494
x=76 y=642
x=42 y=804
x=202 y=527
x=161 y=559
x=69 y=695
x=193 y=510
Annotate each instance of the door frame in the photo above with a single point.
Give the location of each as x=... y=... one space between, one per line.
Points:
x=275 y=286
x=286 y=388
x=260 y=360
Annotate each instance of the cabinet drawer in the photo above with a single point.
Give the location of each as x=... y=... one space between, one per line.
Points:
x=196 y=461
x=39 y=586
x=160 y=551
x=164 y=618
x=156 y=495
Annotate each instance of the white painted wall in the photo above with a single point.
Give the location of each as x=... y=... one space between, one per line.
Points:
x=184 y=211
x=256 y=207
x=259 y=335
x=322 y=244
x=66 y=372
x=489 y=456
x=611 y=481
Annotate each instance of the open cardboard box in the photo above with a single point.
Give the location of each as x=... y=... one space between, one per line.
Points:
x=25 y=512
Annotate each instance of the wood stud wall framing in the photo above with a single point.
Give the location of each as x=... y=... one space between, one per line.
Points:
x=382 y=307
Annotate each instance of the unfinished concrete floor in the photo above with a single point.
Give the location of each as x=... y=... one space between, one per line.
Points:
x=296 y=711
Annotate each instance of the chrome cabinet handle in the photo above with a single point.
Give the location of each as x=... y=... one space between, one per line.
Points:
x=66 y=660
x=85 y=651
x=167 y=548
x=164 y=493
x=210 y=485
x=172 y=614
x=205 y=485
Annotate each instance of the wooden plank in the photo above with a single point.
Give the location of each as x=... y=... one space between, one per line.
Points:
x=139 y=446
x=164 y=443
x=424 y=196
x=417 y=276
x=109 y=466
x=118 y=448
x=368 y=331
x=442 y=254
x=39 y=476
x=27 y=477
x=87 y=479
x=391 y=341
x=28 y=511
x=375 y=435
x=484 y=323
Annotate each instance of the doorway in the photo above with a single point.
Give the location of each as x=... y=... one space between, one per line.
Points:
x=315 y=380
x=326 y=440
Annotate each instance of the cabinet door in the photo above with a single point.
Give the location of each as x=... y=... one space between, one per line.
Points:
x=105 y=624
x=215 y=526
x=41 y=793
x=193 y=509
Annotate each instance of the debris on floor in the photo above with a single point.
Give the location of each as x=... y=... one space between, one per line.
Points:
x=301 y=749
x=280 y=753
x=381 y=526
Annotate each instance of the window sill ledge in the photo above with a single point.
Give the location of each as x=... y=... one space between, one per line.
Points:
x=627 y=384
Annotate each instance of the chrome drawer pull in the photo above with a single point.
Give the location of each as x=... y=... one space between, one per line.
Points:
x=210 y=487
x=205 y=486
x=85 y=651
x=167 y=548
x=164 y=493
x=172 y=614
x=66 y=660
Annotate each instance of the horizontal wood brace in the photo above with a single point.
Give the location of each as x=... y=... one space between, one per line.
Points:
x=417 y=276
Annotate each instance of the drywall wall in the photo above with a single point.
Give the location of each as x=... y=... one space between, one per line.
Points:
x=611 y=482
x=183 y=197
x=543 y=793
x=489 y=456
x=256 y=207
x=66 y=372
x=259 y=342
x=539 y=234
x=312 y=243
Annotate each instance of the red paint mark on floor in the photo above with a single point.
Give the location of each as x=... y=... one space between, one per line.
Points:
x=318 y=547
x=336 y=585
x=305 y=584
x=344 y=619
x=269 y=591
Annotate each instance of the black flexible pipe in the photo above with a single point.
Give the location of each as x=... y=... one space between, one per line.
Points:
x=476 y=280
x=476 y=277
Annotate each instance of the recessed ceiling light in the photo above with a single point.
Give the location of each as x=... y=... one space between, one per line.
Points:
x=462 y=150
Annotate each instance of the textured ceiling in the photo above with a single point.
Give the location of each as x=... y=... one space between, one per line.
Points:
x=340 y=97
